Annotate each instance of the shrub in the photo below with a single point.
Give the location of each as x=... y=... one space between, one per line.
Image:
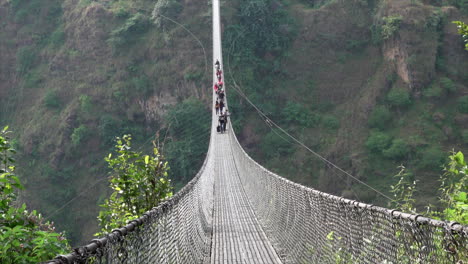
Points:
x=51 y=99
x=298 y=114
x=167 y=8
x=448 y=84
x=398 y=150
x=378 y=141
x=85 y=103
x=379 y=117
x=109 y=128
x=79 y=135
x=25 y=237
x=125 y=34
x=432 y=158
x=399 y=97
x=463 y=104
x=142 y=85
x=57 y=38
x=139 y=183
x=25 y=59
x=434 y=91
x=330 y=122
x=390 y=26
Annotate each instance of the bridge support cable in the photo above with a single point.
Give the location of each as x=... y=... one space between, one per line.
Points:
x=236 y=211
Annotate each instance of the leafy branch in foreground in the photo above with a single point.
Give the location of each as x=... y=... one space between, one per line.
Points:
x=463 y=31
x=25 y=237
x=139 y=183
x=453 y=191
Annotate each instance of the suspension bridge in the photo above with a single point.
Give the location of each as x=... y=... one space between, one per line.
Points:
x=236 y=211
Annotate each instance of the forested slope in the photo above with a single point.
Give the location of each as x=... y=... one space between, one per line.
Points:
x=368 y=84
x=76 y=74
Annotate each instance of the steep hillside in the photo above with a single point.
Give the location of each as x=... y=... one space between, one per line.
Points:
x=370 y=85
x=76 y=73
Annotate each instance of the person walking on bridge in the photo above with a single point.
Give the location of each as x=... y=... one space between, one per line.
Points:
x=217 y=64
x=225 y=118
x=216 y=87
x=221 y=106
x=217 y=107
x=221 y=95
x=222 y=121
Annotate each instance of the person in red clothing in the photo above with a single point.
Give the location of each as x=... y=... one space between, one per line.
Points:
x=216 y=87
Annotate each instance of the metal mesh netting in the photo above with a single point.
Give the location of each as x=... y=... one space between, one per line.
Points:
x=177 y=231
x=309 y=226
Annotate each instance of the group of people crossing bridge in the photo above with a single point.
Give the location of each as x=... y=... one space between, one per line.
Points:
x=221 y=110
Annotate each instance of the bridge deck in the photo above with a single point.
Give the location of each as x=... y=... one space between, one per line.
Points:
x=237 y=235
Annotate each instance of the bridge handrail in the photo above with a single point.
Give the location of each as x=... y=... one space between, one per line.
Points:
x=450 y=225
x=92 y=249
x=363 y=232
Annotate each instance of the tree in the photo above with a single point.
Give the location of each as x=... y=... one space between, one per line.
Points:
x=398 y=150
x=139 y=183
x=25 y=237
x=399 y=97
x=380 y=117
x=378 y=141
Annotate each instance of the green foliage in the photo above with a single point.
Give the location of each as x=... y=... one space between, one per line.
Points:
x=390 y=26
x=463 y=31
x=263 y=27
x=435 y=22
x=398 y=149
x=461 y=4
x=434 y=91
x=454 y=189
x=378 y=141
x=129 y=31
x=399 y=97
x=109 y=127
x=85 y=103
x=25 y=59
x=187 y=138
x=139 y=183
x=166 y=8
x=432 y=158
x=380 y=117
x=25 y=237
x=57 y=38
x=51 y=99
x=465 y=136
x=79 y=135
x=448 y=85
x=462 y=104
x=298 y=114
x=330 y=122
x=403 y=191
x=274 y=146
x=142 y=85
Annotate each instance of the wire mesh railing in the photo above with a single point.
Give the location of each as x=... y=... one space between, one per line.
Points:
x=176 y=231
x=309 y=226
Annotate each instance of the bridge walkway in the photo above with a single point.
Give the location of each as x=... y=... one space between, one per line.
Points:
x=237 y=234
